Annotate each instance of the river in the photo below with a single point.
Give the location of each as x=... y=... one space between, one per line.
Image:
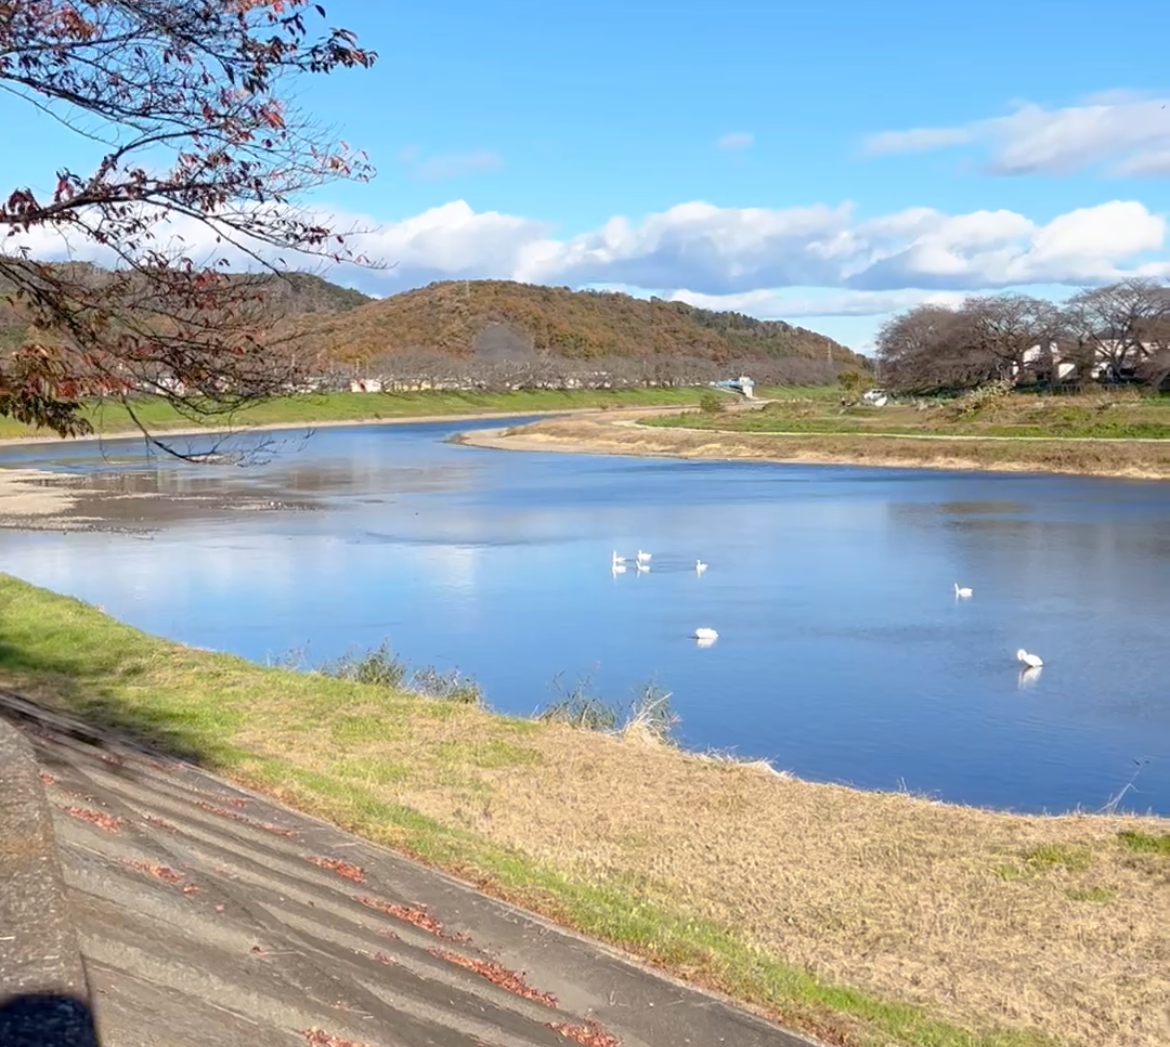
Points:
x=843 y=653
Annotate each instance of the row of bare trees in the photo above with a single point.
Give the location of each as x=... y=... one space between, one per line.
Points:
x=434 y=369
x=1118 y=333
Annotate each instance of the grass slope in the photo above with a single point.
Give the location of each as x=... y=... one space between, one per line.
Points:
x=869 y=919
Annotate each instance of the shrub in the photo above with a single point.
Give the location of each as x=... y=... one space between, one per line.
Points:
x=381 y=668
x=712 y=403
x=578 y=707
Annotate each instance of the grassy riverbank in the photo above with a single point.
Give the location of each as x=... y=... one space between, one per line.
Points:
x=1094 y=416
x=1123 y=435
x=866 y=918
x=111 y=418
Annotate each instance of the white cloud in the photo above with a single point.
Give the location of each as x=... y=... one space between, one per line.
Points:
x=736 y=140
x=1127 y=133
x=1153 y=163
x=449 y=165
x=916 y=140
x=784 y=305
x=742 y=257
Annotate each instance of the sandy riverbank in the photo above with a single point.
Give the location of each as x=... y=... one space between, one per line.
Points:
x=35 y=499
x=618 y=433
x=32 y=499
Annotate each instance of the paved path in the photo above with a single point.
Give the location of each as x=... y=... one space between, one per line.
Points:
x=210 y=916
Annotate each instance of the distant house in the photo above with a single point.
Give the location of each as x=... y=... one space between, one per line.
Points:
x=365 y=385
x=1113 y=360
x=1036 y=360
x=743 y=385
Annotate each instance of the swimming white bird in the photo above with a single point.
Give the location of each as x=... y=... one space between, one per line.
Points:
x=703 y=633
x=618 y=559
x=962 y=590
x=700 y=567
x=1032 y=661
x=643 y=557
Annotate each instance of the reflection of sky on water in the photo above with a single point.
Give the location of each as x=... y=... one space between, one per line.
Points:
x=843 y=653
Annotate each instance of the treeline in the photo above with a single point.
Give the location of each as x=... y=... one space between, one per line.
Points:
x=419 y=368
x=1114 y=334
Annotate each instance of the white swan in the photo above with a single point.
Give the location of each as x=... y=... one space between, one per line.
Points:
x=703 y=633
x=643 y=557
x=1032 y=661
x=618 y=559
x=700 y=567
x=962 y=591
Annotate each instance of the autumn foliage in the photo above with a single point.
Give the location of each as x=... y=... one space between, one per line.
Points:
x=188 y=99
x=467 y=328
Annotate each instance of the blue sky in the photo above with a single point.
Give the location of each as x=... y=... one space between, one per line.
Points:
x=576 y=144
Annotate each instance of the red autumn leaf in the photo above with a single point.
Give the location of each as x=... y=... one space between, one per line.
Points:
x=499 y=975
x=590 y=1034
x=109 y=822
x=343 y=868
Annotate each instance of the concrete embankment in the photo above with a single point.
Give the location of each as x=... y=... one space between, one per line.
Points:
x=185 y=910
x=44 y=994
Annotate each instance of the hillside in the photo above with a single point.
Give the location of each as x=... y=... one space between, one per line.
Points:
x=453 y=317
x=471 y=326
x=291 y=295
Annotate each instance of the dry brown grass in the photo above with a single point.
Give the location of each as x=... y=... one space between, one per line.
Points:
x=981 y=916
x=619 y=434
x=987 y=920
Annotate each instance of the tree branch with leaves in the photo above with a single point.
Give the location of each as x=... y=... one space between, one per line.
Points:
x=189 y=103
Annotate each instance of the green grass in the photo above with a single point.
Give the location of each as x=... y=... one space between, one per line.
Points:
x=1097 y=417
x=1097 y=895
x=307 y=738
x=1058 y=856
x=1146 y=843
x=1045 y=858
x=309 y=409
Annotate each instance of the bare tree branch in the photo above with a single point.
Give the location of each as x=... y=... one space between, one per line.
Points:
x=189 y=98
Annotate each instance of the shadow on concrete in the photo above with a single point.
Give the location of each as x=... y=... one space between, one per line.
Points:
x=46 y=1020
x=108 y=722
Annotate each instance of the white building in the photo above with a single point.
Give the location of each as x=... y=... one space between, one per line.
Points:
x=365 y=385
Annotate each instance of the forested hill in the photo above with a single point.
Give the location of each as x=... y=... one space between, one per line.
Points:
x=471 y=320
x=451 y=317
x=292 y=295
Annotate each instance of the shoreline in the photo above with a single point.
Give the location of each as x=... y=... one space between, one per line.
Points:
x=888 y=916
x=294 y=425
x=624 y=437
x=271 y=427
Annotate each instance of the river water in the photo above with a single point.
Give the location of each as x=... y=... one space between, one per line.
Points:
x=843 y=654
